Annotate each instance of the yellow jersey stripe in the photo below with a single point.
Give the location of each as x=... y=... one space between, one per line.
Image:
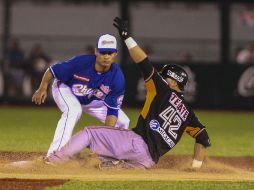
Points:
x=151 y=93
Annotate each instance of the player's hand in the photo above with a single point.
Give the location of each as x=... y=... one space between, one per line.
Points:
x=122 y=27
x=39 y=96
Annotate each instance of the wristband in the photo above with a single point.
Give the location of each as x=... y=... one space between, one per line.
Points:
x=196 y=163
x=130 y=43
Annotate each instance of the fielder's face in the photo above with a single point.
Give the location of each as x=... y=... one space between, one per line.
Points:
x=104 y=60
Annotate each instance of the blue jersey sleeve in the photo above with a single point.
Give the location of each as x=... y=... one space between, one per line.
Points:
x=64 y=71
x=114 y=99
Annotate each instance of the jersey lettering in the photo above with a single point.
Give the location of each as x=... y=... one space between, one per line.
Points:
x=105 y=89
x=81 y=90
x=179 y=106
x=99 y=94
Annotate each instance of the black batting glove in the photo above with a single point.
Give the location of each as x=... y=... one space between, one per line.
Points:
x=122 y=27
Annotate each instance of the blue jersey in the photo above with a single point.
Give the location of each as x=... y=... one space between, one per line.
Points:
x=87 y=84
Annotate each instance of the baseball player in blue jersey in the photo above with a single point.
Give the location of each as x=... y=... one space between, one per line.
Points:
x=93 y=84
x=164 y=118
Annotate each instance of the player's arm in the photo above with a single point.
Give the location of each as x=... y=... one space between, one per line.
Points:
x=112 y=116
x=202 y=142
x=199 y=155
x=136 y=53
x=198 y=131
x=41 y=93
x=110 y=120
x=113 y=101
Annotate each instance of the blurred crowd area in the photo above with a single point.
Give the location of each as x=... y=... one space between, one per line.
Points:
x=176 y=31
x=44 y=32
x=24 y=70
x=245 y=55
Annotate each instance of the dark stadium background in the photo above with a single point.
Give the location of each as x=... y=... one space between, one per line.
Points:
x=203 y=36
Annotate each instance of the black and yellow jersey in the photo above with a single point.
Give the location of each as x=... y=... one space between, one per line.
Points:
x=165 y=115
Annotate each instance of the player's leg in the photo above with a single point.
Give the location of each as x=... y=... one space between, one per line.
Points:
x=140 y=157
x=123 y=145
x=74 y=146
x=84 y=138
x=98 y=110
x=108 y=142
x=71 y=112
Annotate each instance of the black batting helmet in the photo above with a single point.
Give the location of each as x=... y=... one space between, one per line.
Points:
x=176 y=73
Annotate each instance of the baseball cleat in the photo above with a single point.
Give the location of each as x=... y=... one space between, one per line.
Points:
x=48 y=162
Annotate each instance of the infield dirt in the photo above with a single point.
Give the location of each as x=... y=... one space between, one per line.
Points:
x=32 y=174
